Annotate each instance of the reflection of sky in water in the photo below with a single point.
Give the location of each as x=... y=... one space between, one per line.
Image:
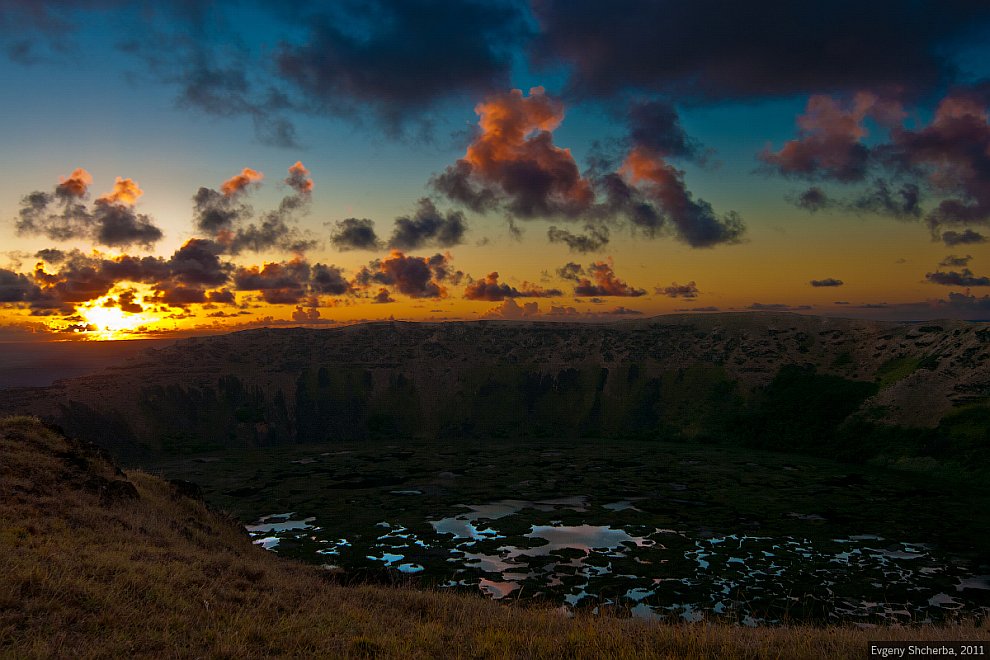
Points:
x=270 y=530
x=579 y=537
x=653 y=572
x=279 y=522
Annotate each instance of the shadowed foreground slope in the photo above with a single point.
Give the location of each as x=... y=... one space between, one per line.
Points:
x=96 y=562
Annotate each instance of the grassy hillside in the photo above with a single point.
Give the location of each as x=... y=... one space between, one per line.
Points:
x=98 y=563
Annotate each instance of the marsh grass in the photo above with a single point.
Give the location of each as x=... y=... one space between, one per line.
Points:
x=96 y=563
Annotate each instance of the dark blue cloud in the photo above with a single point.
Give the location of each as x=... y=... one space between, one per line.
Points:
x=710 y=50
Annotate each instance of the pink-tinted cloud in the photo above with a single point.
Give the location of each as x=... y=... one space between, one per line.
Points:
x=514 y=164
x=299 y=179
x=599 y=279
x=953 y=153
x=695 y=220
x=830 y=138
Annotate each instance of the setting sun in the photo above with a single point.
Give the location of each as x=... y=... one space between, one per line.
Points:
x=111 y=322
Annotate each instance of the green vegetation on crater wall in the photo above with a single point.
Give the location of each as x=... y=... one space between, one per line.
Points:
x=898 y=369
x=801 y=409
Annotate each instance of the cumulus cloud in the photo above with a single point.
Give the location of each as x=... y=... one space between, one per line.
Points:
x=953 y=261
x=951 y=152
x=570 y=271
x=63 y=215
x=776 y=307
x=50 y=255
x=826 y=282
x=489 y=288
x=416 y=277
x=622 y=311
x=510 y=309
x=278 y=282
x=224 y=217
x=197 y=263
x=965 y=277
x=75 y=185
x=127 y=301
x=694 y=220
x=125 y=191
x=355 y=234
x=382 y=297
x=513 y=164
x=945 y=160
x=241 y=182
x=813 y=199
x=185 y=278
x=656 y=126
x=675 y=290
x=299 y=178
x=428 y=227
x=601 y=280
x=594 y=239
x=966 y=237
x=329 y=279
x=16 y=287
x=305 y=314
x=903 y=203
x=830 y=138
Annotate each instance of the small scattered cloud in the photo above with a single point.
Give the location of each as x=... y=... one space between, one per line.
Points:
x=965 y=277
x=675 y=290
x=355 y=234
x=602 y=281
x=966 y=237
x=953 y=261
x=111 y=220
x=428 y=226
x=489 y=288
x=777 y=307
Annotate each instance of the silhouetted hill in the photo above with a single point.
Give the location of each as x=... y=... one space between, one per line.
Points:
x=854 y=388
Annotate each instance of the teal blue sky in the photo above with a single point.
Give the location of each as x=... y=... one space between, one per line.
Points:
x=828 y=158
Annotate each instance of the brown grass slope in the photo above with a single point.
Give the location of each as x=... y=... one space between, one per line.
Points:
x=98 y=563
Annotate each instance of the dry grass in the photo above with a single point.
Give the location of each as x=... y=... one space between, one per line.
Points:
x=89 y=568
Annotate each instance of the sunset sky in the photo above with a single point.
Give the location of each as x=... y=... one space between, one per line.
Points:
x=198 y=166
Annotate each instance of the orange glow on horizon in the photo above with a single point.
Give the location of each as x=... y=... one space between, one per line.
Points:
x=111 y=322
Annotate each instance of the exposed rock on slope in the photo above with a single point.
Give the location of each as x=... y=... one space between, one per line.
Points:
x=684 y=374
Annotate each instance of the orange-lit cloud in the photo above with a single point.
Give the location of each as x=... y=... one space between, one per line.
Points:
x=76 y=184
x=64 y=216
x=278 y=282
x=298 y=179
x=513 y=162
x=602 y=281
x=416 y=277
x=830 y=141
x=695 y=221
x=239 y=182
x=489 y=288
x=125 y=191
